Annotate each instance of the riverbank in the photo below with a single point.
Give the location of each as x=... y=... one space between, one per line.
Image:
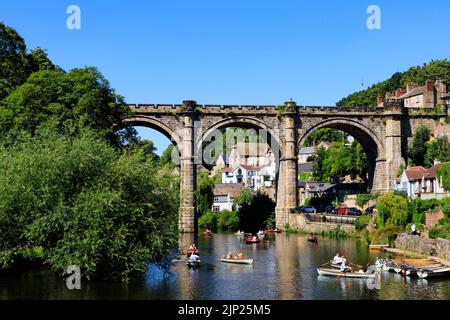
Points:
x=418 y=247
x=331 y=230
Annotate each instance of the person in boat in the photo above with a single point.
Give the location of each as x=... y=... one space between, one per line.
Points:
x=337 y=259
x=344 y=267
x=254 y=238
x=229 y=255
x=194 y=258
x=240 y=256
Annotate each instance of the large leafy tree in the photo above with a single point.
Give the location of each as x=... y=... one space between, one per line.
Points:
x=392 y=211
x=444 y=174
x=419 y=146
x=85 y=204
x=70 y=102
x=437 y=150
x=16 y=64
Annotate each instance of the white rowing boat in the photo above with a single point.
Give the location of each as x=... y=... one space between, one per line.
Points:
x=336 y=273
x=428 y=273
x=237 y=261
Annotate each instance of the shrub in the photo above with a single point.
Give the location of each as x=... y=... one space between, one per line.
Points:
x=362 y=222
x=227 y=220
x=271 y=222
x=419 y=226
x=440 y=231
x=363 y=199
x=208 y=220
x=392 y=211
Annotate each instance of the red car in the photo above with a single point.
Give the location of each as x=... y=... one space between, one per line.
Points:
x=341 y=211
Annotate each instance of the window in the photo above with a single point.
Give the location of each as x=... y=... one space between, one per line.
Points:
x=216 y=208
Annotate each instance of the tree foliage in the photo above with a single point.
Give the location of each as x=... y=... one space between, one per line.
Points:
x=339 y=160
x=254 y=215
x=204 y=193
x=324 y=135
x=85 y=204
x=392 y=211
x=419 y=146
x=443 y=173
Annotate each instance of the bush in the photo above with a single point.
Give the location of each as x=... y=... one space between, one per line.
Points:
x=85 y=204
x=419 y=226
x=440 y=231
x=208 y=221
x=227 y=220
x=362 y=222
x=392 y=211
x=271 y=221
x=363 y=199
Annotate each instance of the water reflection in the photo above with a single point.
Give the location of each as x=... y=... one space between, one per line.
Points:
x=284 y=268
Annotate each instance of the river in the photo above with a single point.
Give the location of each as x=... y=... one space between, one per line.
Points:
x=284 y=268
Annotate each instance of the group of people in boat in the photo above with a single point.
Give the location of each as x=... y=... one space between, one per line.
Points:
x=341 y=261
x=193 y=254
x=239 y=256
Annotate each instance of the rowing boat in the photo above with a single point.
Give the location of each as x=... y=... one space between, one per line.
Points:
x=193 y=264
x=378 y=247
x=429 y=273
x=336 y=273
x=237 y=261
x=313 y=239
x=251 y=241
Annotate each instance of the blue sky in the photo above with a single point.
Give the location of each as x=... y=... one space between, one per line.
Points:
x=235 y=51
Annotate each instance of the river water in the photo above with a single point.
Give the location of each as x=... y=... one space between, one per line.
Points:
x=284 y=268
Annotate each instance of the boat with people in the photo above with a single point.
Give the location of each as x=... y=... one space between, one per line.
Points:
x=349 y=274
x=313 y=239
x=193 y=264
x=207 y=232
x=240 y=233
x=252 y=240
x=237 y=261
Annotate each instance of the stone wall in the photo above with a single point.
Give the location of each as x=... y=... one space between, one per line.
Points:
x=299 y=222
x=431 y=247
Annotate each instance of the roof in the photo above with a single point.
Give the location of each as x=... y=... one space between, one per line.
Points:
x=305 y=167
x=227 y=170
x=307 y=150
x=415 y=173
x=249 y=168
x=431 y=173
x=412 y=93
x=419 y=173
x=316 y=186
x=231 y=189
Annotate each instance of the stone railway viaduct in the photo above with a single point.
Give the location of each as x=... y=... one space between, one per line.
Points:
x=384 y=132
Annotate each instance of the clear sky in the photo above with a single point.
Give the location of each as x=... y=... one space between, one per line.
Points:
x=235 y=51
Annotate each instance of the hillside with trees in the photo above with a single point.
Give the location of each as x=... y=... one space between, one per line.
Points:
x=419 y=74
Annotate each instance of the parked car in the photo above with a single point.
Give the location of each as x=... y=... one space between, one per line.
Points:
x=341 y=211
x=354 y=212
x=307 y=209
x=330 y=209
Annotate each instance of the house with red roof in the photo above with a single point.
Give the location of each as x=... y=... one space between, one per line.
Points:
x=424 y=183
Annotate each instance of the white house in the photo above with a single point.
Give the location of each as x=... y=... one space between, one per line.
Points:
x=420 y=182
x=247 y=175
x=224 y=195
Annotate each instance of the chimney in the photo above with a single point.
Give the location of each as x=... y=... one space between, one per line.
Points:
x=380 y=100
x=400 y=92
x=410 y=86
x=429 y=86
x=389 y=95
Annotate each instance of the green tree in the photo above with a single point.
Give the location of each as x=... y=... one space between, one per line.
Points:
x=419 y=146
x=15 y=63
x=204 y=192
x=443 y=173
x=85 y=203
x=244 y=198
x=69 y=102
x=437 y=150
x=392 y=211
x=324 y=135
x=253 y=216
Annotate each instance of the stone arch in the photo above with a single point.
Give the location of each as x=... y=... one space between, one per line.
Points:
x=243 y=122
x=372 y=145
x=157 y=125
